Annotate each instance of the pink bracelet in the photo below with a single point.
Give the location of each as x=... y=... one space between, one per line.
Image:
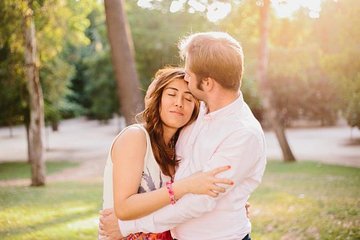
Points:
x=171 y=192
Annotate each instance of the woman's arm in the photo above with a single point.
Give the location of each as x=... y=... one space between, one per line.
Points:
x=128 y=162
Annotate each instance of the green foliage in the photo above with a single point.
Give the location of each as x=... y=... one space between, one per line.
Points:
x=76 y=100
x=57 y=23
x=313 y=64
x=339 y=44
x=313 y=70
x=13 y=89
x=101 y=87
x=93 y=87
x=55 y=76
x=301 y=88
x=156 y=34
x=352 y=112
x=251 y=96
x=22 y=170
x=61 y=24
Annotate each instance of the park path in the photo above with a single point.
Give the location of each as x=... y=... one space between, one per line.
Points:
x=88 y=142
x=78 y=140
x=338 y=145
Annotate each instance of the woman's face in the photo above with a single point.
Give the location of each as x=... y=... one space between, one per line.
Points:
x=177 y=104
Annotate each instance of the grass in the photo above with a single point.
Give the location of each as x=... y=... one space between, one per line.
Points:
x=307 y=200
x=22 y=170
x=298 y=201
x=66 y=210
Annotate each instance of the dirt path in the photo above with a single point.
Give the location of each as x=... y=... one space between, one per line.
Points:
x=88 y=142
x=77 y=140
x=334 y=145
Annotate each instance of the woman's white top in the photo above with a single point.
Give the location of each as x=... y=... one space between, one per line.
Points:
x=152 y=177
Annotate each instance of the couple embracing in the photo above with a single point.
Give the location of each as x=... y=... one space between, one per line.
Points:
x=187 y=169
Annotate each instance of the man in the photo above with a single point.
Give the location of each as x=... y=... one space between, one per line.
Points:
x=225 y=133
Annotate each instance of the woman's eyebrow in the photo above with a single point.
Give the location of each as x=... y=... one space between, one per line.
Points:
x=172 y=88
x=175 y=89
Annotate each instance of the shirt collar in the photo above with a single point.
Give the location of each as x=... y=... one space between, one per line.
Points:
x=224 y=111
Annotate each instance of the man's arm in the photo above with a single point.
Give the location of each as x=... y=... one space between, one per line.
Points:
x=243 y=150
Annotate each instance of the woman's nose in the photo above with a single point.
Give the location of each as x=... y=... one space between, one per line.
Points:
x=179 y=102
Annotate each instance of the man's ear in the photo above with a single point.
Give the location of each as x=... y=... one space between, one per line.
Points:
x=208 y=84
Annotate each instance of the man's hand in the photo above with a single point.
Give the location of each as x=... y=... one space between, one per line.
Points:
x=108 y=225
x=247 y=207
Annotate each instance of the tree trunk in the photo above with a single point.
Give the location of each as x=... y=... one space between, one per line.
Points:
x=270 y=111
x=122 y=52
x=36 y=104
x=27 y=126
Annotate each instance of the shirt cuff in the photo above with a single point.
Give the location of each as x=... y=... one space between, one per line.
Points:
x=127 y=227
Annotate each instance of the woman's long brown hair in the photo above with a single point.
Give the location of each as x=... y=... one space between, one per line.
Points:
x=163 y=153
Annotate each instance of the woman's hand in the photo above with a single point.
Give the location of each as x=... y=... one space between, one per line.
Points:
x=206 y=182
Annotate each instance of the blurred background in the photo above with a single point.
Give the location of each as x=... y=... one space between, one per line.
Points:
x=73 y=73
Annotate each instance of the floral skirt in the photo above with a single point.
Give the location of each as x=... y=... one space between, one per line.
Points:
x=150 y=236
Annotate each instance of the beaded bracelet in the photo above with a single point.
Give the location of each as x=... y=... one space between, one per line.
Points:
x=171 y=192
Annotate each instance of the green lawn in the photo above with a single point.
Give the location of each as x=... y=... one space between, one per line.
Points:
x=65 y=211
x=295 y=201
x=307 y=200
x=22 y=170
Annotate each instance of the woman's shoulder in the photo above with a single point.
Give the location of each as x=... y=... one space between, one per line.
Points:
x=132 y=140
x=133 y=133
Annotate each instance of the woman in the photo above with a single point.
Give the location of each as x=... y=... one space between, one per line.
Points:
x=142 y=157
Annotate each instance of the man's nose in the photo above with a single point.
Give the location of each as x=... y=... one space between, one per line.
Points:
x=186 y=78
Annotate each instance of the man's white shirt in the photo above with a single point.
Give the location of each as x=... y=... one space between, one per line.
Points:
x=229 y=136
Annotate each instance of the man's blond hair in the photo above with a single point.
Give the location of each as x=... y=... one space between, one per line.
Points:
x=216 y=55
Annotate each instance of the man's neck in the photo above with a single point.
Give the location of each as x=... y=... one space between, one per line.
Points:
x=221 y=99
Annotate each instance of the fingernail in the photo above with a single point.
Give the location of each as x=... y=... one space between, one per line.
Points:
x=229 y=166
x=232 y=183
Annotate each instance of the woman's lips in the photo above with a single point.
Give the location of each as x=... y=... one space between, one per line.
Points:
x=177 y=113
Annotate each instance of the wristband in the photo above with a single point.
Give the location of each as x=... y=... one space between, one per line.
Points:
x=171 y=192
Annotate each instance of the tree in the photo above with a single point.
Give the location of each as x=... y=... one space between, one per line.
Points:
x=264 y=84
x=58 y=23
x=36 y=101
x=44 y=66
x=338 y=42
x=13 y=92
x=61 y=24
x=94 y=90
x=128 y=85
x=101 y=87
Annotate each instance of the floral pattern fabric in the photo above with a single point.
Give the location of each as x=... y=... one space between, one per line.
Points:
x=150 y=236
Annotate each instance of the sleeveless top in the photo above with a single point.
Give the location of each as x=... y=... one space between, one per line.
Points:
x=152 y=179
